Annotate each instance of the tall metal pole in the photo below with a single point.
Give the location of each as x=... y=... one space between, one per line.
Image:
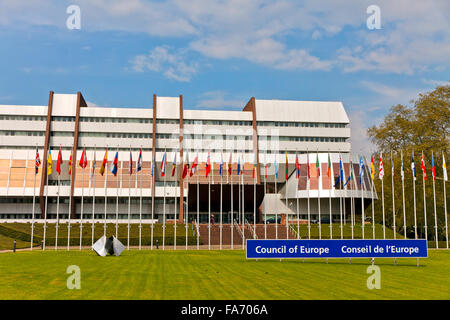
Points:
x=106 y=193
x=93 y=200
x=198 y=209
x=403 y=195
x=129 y=200
x=45 y=213
x=413 y=168
x=393 y=199
x=34 y=203
x=57 y=216
x=329 y=194
x=82 y=202
x=140 y=203
x=243 y=207
x=318 y=195
x=164 y=202
x=221 y=222
x=444 y=179
x=434 y=203
x=424 y=203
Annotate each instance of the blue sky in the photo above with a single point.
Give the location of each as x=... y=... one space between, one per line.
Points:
x=218 y=54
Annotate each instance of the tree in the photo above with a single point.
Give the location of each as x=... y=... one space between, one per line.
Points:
x=423 y=127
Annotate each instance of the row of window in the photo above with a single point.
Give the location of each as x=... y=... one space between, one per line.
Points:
x=301 y=124
x=22 y=118
x=217 y=122
x=116 y=120
x=22 y=133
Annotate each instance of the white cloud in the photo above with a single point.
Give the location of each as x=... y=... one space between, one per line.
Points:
x=171 y=64
x=358 y=133
x=414 y=36
x=219 y=100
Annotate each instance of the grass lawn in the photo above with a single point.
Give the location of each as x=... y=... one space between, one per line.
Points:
x=216 y=275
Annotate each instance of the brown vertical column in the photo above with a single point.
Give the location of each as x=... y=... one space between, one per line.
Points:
x=250 y=106
x=180 y=169
x=80 y=103
x=44 y=156
x=154 y=150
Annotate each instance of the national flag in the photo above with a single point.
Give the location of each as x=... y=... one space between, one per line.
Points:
x=174 y=164
x=297 y=166
x=194 y=166
x=444 y=168
x=186 y=166
x=254 y=167
x=329 y=166
x=83 y=159
x=276 y=167
x=433 y=168
x=221 y=165
x=242 y=169
x=153 y=165
x=287 y=167
x=351 y=174
x=93 y=164
x=114 y=164
x=38 y=162
x=130 y=165
x=239 y=166
x=49 y=162
x=317 y=165
x=208 y=165
x=59 y=162
x=381 y=170
x=361 y=167
x=402 y=171
x=413 y=167
x=372 y=168
x=265 y=170
x=230 y=164
x=163 y=165
x=422 y=166
x=104 y=162
x=139 y=162
x=70 y=163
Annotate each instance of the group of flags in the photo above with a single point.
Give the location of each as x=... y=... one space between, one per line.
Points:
x=193 y=168
x=83 y=162
x=413 y=168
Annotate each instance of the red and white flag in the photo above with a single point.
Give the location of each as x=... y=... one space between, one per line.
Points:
x=422 y=166
x=59 y=162
x=194 y=166
x=83 y=160
x=208 y=165
x=381 y=171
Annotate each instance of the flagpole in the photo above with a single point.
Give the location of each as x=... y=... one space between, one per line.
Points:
x=232 y=224
x=382 y=196
x=243 y=206
x=175 y=214
x=424 y=201
x=254 y=204
x=403 y=195
x=57 y=213
x=434 y=203
x=198 y=208
x=221 y=224
x=414 y=193
x=153 y=202
x=363 y=185
x=393 y=199
x=45 y=215
x=164 y=201
x=318 y=194
x=130 y=166
x=308 y=187
x=287 y=203
x=341 y=177
x=140 y=199
x=296 y=195
x=93 y=196
x=276 y=211
x=70 y=202
x=444 y=179
x=187 y=199
x=329 y=194
x=106 y=191
x=209 y=208
x=117 y=195
x=34 y=202
x=265 y=190
x=82 y=202
x=353 y=209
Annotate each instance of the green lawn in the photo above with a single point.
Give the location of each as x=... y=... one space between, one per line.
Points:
x=21 y=232
x=216 y=275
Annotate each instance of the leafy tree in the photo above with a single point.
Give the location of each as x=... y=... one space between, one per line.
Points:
x=422 y=127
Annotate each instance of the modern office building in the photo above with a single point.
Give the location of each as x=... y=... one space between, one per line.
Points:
x=260 y=138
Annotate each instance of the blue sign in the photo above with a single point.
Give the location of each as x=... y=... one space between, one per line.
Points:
x=260 y=249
